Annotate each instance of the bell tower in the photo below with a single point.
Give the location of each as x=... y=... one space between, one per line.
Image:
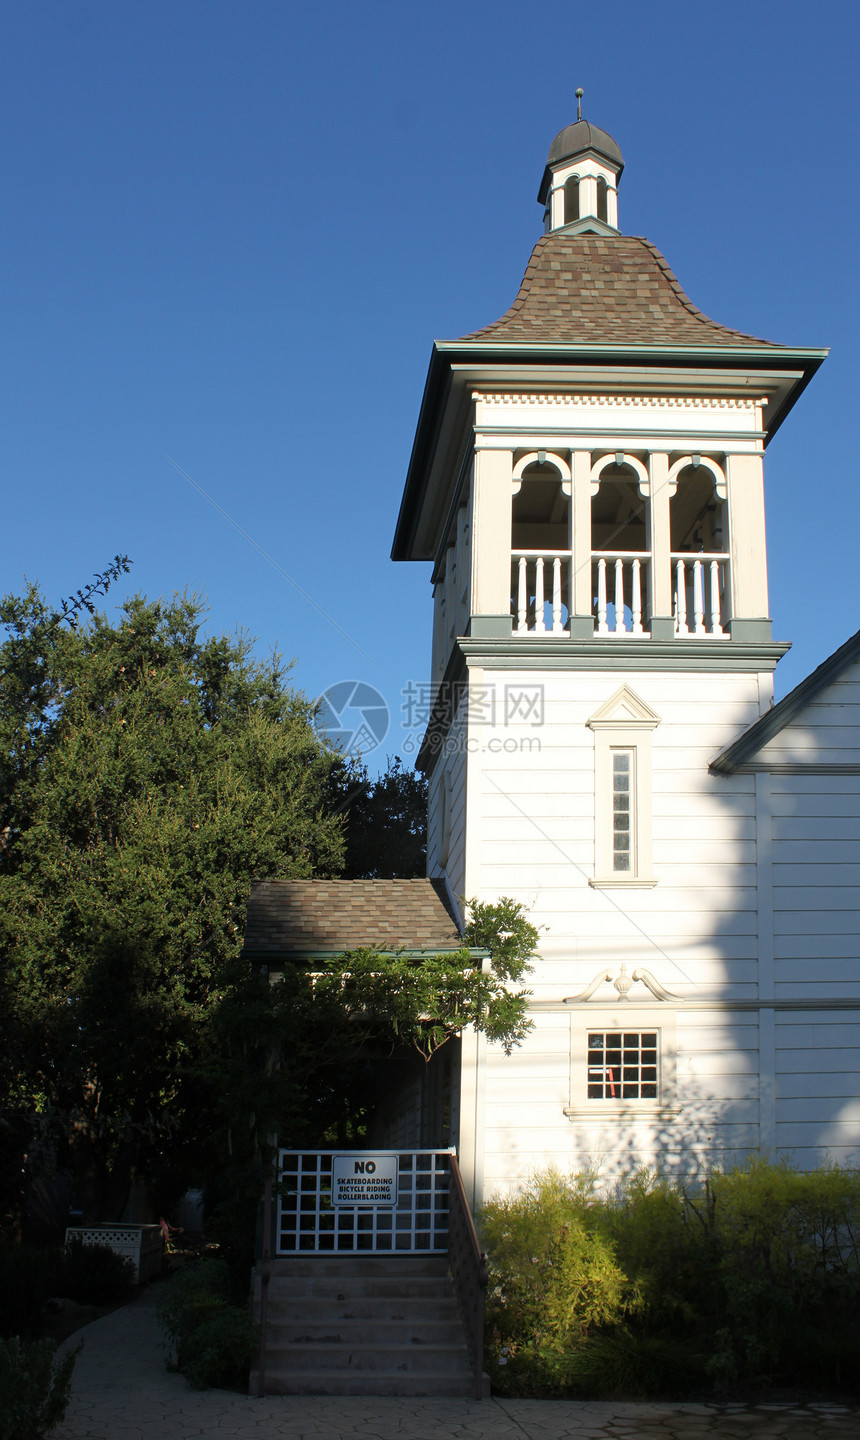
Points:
x=587 y=486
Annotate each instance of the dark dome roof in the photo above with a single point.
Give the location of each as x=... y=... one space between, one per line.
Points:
x=580 y=136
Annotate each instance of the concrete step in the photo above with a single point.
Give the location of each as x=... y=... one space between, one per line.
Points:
x=349 y=1332
x=389 y=1359
x=341 y=1287
x=310 y=1382
x=368 y=1309
x=361 y=1265
x=368 y=1325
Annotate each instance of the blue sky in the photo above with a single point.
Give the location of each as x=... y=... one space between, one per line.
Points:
x=232 y=231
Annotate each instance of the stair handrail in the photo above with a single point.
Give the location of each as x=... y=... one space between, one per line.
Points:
x=469 y=1272
x=265 y=1276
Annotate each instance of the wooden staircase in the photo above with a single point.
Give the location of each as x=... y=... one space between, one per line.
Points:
x=363 y=1325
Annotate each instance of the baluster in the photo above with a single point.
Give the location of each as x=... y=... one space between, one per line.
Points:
x=619 y=596
x=716 y=626
x=556 y=596
x=602 y=628
x=636 y=599
x=681 y=598
x=540 y=626
x=698 y=597
x=522 y=596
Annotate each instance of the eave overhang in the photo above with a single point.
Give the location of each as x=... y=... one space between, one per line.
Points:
x=275 y=960
x=457 y=366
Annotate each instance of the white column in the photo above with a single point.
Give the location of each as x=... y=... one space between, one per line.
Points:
x=748 y=549
x=660 y=579
x=490 y=585
x=582 y=597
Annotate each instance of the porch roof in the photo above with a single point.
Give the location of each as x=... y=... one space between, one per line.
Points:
x=313 y=917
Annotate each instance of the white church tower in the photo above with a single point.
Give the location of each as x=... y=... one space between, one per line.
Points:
x=587 y=484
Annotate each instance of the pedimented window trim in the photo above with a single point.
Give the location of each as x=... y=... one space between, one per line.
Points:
x=624 y=710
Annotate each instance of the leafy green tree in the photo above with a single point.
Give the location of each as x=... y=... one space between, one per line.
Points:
x=385 y=821
x=147 y=774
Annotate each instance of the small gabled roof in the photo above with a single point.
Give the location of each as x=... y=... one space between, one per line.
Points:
x=742 y=750
x=307 y=917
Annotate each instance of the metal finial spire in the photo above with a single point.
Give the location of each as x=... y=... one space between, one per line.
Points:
x=579 y=95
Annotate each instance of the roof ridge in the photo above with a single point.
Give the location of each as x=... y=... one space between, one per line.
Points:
x=757 y=735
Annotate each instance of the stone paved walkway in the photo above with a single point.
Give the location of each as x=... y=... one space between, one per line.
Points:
x=123 y=1391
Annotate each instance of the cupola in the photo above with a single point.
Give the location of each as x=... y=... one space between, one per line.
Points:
x=579 y=189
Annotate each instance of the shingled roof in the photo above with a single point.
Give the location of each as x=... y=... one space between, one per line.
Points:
x=303 y=917
x=604 y=289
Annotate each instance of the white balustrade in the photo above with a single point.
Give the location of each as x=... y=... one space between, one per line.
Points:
x=623 y=574
x=699 y=583
x=534 y=573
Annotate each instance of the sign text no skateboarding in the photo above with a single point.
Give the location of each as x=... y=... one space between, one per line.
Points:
x=361 y=1179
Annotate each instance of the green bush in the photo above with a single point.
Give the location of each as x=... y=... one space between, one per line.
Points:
x=657 y=1289
x=28 y=1279
x=213 y=1339
x=34 y=1391
x=553 y=1281
x=94 y=1274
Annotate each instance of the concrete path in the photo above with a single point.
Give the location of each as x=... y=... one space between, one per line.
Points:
x=123 y=1391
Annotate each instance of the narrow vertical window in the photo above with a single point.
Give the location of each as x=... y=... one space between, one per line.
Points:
x=622 y=811
x=571 y=200
x=602 y=203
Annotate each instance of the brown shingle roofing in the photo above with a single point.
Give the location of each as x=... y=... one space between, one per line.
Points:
x=302 y=916
x=604 y=289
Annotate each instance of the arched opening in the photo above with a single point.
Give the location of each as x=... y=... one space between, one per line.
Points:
x=620 y=552
x=540 y=550
x=571 y=199
x=699 y=549
x=602 y=199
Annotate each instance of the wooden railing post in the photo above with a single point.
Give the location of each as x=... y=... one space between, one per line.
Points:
x=265 y=1276
x=469 y=1273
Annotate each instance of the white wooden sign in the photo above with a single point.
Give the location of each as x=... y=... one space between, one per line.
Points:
x=364 y=1179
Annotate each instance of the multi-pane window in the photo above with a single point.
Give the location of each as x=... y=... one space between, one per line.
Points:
x=623 y=1065
x=623 y=860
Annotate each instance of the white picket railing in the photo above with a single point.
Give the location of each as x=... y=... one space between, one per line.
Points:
x=539 y=581
x=308 y=1219
x=619 y=578
x=699 y=583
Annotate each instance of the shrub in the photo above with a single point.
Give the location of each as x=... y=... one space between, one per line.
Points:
x=212 y=1338
x=34 y=1391
x=553 y=1281
x=28 y=1279
x=656 y=1289
x=95 y=1274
